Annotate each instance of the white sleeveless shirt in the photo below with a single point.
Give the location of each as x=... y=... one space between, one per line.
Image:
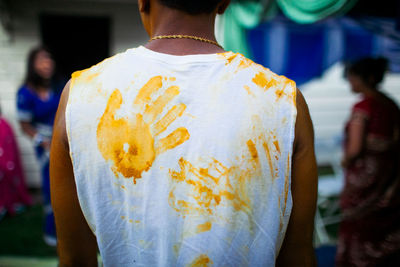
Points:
x=183 y=160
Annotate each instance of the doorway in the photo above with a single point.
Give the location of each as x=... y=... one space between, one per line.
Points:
x=76 y=42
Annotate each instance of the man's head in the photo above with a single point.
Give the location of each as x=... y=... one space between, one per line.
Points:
x=154 y=10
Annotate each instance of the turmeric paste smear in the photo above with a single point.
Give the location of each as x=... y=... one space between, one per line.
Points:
x=228 y=56
x=263 y=81
x=206 y=191
x=201 y=261
x=130 y=143
x=204 y=227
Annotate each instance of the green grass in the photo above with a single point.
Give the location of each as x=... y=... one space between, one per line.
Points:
x=30 y=262
x=22 y=235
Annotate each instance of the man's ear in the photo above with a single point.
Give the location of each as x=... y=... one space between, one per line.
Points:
x=223 y=6
x=144 y=5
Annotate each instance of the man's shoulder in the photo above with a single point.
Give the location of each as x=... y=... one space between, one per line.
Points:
x=260 y=75
x=94 y=72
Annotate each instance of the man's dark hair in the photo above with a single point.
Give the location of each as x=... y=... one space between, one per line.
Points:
x=192 y=7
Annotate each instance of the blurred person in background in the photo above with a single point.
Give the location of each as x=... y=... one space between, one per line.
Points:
x=37 y=102
x=369 y=234
x=14 y=195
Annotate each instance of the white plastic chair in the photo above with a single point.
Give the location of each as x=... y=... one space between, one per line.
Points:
x=329 y=188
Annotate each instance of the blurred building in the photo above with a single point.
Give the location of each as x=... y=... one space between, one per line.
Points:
x=79 y=32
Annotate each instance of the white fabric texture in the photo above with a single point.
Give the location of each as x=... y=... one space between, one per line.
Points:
x=183 y=160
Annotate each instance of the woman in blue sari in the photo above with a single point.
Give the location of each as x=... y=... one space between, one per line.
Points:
x=37 y=103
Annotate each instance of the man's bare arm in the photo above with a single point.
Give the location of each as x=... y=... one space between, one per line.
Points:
x=76 y=243
x=297 y=249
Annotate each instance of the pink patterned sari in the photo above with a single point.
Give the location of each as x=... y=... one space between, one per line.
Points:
x=369 y=234
x=13 y=191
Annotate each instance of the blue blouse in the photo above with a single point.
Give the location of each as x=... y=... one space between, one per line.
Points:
x=40 y=113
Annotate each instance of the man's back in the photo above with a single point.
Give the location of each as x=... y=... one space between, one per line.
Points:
x=183 y=159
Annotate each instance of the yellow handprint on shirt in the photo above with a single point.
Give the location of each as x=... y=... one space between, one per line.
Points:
x=131 y=144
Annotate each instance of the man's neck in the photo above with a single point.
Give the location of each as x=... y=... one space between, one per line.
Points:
x=174 y=22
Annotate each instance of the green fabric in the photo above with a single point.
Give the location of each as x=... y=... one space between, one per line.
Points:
x=309 y=11
x=247 y=14
x=238 y=18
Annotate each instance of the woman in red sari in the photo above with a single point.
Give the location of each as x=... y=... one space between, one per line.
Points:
x=369 y=234
x=13 y=192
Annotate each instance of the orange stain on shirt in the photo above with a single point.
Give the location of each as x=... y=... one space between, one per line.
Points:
x=269 y=158
x=84 y=75
x=131 y=144
x=176 y=138
x=289 y=95
x=204 y=227
x=158 y=106
x=175 y=112
x=152 y=86
x=201 y=261
x=277 y=147
x=289 y=90
x=279 y=94
x=262 y=81
x=287 y=177
x=244 y=64
x=228 y=56
x=247 y=88
x=253 y=150
x=76 y=74
x=272 y=150
x=205 y=190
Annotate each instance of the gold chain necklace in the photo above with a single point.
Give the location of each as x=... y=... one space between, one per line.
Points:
x=180 y=36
